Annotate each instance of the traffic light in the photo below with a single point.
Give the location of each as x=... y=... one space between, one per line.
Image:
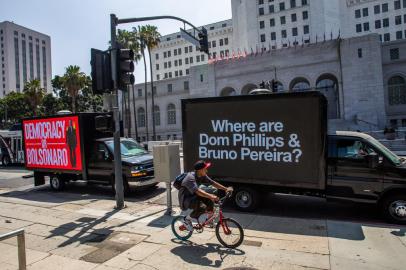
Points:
x=203 y=41
x=125 y=68
x=101 y=71
x=274 y=84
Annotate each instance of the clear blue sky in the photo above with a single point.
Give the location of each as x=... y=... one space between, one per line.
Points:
x=75 y=26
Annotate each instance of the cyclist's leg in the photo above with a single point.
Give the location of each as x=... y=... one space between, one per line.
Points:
x=208 y=204
x=195 y=205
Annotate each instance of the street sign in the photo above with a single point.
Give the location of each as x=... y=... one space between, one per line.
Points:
x=188 y=37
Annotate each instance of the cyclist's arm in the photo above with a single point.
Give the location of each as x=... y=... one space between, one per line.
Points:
x=202 y=193
x=219 y=186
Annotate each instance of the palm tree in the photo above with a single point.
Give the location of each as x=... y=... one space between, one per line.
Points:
x=34 y=94
x=150 y=35
x=74 y=80
x=130 y=40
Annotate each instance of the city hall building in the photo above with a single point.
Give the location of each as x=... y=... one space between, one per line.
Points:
x=361 y=73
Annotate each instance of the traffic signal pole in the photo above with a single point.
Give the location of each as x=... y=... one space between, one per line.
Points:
x=118 y=176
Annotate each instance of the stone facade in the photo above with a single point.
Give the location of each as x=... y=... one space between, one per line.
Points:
x=352 y=73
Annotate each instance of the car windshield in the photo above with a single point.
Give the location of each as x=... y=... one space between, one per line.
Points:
x=388 y=153
x=128 y=148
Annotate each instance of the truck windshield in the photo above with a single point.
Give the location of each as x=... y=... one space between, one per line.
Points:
x=388 y=153
x=128 y=148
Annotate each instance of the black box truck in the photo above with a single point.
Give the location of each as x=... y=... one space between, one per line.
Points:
x=80 y=146
x=279 y=143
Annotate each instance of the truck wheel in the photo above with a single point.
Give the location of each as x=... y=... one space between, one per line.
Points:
x=246 y=199
x=394 y=208
x=125 y=185
x=56 y=182
x=6 y=161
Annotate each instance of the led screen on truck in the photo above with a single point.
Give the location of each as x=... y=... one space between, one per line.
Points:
x=53 y=143
x=268 y=139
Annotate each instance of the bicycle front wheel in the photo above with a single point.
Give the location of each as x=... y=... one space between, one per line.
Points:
x=230 y=233
x=179 y=228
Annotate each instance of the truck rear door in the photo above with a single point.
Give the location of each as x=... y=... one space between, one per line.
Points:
x=351 y=176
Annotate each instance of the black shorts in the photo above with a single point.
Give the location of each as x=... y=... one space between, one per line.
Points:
x=200 y=205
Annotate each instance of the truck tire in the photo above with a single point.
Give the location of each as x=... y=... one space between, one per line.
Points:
x=394 y=208
x=6 y=161
x=246 y=199
x=125 y=185
x=56 y=182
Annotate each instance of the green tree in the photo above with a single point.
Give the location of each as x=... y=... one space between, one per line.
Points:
x=51 y=105
x=73 y=81
x=34 y=94
x=150 y=36
x=87 y=101
x=16 y=106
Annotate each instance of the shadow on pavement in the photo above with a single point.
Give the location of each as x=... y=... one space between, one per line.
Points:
x=199 y=254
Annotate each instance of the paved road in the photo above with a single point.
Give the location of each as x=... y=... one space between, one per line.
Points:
x=14 y=177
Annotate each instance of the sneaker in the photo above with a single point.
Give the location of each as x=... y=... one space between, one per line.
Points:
x=188 y=223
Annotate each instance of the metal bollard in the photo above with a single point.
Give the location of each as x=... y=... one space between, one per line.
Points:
x=22 y=261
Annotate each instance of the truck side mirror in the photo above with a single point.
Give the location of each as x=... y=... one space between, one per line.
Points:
x=373 y=160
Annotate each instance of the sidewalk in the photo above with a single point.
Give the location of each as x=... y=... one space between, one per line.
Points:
x=79 y=231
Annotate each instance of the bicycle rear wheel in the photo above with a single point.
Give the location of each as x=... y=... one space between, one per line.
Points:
x=229 y=233
x=179 y=229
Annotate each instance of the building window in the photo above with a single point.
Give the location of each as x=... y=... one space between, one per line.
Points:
x=141 y=117
x=169 y=53
x=186 y=85
x=187 y=71
x=201 y=77
x=364 y=12
x=377 y=9
x=359 y=28
x=31 y=49
x=304 y=2
x=24 y=52
x=157 y=77
x=399 y=35
x=377 y=24
x=176 y=63
x=180 y=72
x=225 y=43
x=261 y=11
x=306 y=29
x=37 y=56
x=359 y=53
x=282 y=6
x=222 y=41
x=397 y=4
x=190 y=49
x=187 y=61
x=156 y=56
x=169 y=64
x=305 y=15
x=191 y=60
x=292 y=3
x=213 y=44
x=385 y=7
x=271 y=9
x=283 y=32
x=386 y=37
x=357 y=13
x=17 y=62
x=171 y=114
x=176 y=73
x=283 y=20
x=169 y=86
x=175 y=52
x=404 y=3
x=394 y=54
x=294 y=31
x=165 y=65
x=386 y=22
x=397 y=90
x=293 y=17
x=366 y=26
x=398 y=20
x=263 y=38
x=272 y=22
x=261 y=26
x=273 y=35
x=180 y=62
x=186 y=49
x=165 y=55
x=260 y=2
x=140 y=92
x=157 y=66
x=198 y=58
x=157 y=115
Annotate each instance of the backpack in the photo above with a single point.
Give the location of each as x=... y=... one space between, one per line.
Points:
x=178 y=180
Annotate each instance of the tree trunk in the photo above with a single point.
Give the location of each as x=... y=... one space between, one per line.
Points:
x=152 y=96
x=74 y=104
x=146 y=95
x=135 y=115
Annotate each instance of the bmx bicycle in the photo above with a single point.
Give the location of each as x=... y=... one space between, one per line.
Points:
x=228 y=231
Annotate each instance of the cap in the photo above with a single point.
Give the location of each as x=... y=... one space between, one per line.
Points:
x=201 y=165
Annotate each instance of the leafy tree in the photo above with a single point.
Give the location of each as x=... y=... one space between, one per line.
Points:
x=52 y=104
x=16 y=106
x=34 y=94
x=150 y=36
x=73 y=81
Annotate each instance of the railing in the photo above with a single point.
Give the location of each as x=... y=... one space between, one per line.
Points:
x=22 y=262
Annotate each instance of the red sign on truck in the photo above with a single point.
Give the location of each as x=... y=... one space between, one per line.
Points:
x=53 y=143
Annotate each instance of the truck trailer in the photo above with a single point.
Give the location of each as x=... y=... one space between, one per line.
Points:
x=279 y=143
x=80 y=147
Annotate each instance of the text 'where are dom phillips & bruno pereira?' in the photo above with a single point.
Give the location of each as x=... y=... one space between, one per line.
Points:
x=255 y=141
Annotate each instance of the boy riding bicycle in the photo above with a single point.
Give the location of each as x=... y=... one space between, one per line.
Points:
x=191 y=196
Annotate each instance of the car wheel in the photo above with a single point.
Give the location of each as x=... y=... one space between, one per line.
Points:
x=394 y=208
x=56 y=182
x=246 y=199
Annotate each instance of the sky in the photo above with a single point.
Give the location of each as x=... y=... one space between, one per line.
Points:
x=76 y=26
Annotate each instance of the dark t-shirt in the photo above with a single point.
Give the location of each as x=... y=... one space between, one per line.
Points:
x=189 y=186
